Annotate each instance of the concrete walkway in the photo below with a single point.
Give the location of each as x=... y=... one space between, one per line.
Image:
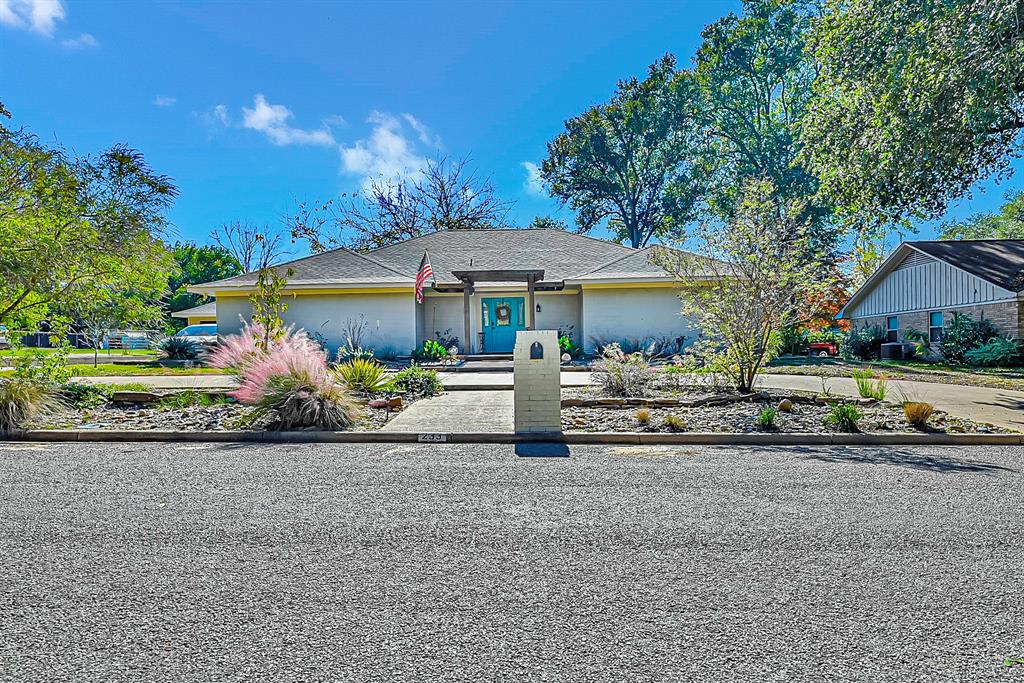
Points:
x=457 y=411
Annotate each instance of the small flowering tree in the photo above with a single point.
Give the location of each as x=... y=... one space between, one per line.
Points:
x=749 y=279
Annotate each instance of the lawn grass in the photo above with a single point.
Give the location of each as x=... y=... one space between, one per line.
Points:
x=28 y=351
x=133 y=370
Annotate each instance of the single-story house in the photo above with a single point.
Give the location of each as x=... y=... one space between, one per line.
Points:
x=486 y=285
x=923 y=283
x=198 y=315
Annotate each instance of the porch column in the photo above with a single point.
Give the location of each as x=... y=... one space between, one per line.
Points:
x=531 y=316
x=467 y=291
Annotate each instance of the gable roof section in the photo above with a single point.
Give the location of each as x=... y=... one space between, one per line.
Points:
x=207 y=310
x=560 y=254
x=1000 y=262
x=335 y=267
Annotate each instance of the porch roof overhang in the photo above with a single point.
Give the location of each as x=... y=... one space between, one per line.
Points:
x=519 y=275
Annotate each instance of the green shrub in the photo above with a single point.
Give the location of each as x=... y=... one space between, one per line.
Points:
x=766 y=418
x=567 y=345
x=867 y=387
x=179 y=348
x=996 y=352
x=843 y=417
x=921 y=340
x=363 y=374
x=431 y=350
x=417 y=381
x=863 y=344
x=24 y=400
x=965 y=334
x=83 y=395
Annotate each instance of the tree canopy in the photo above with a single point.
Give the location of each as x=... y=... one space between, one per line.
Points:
x=915 y=101
x=1007 y=224
x=196 y=265
x=626 y=162
x=71 y=227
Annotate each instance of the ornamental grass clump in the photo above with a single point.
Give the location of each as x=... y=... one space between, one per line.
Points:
x=621 y=374
x=766 y=418
x=918 y=413
x=289 y=380
x=868 y=387
x=843 y=417
x=24 y=400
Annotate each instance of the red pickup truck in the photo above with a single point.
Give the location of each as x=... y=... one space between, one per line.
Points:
x=823 y=349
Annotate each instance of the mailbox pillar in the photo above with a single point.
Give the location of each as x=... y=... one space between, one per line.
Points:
x=536 y=366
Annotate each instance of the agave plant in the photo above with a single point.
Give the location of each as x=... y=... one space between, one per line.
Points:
x=24 y=400
x=178 y=348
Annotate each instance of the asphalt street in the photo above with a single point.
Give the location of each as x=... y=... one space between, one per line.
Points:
x=220 y=562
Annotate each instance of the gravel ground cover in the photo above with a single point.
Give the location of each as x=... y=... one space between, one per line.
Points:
x=218 y=417
x=740 y=417
x=164 y=562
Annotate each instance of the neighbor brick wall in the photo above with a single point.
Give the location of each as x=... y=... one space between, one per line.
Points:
x=1007 y=316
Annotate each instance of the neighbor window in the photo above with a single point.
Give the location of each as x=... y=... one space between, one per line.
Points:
x=935 y=323
x=892 y=328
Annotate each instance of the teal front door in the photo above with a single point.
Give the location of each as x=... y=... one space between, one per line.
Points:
x=500 y=319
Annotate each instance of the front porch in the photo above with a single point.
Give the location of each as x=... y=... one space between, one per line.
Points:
x=486 y=309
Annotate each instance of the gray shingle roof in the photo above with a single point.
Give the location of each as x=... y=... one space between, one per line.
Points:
x=1000 y=262
x=202 y=311
x=560 y=254
x=339 y=266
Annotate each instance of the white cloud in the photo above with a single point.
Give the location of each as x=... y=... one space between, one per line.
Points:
x=534 y=184
x=83 y=40
x=164 y=101
x=214 y=118
x=272 y=120
x=387 y=152
x=34 y=15
x=425 y=135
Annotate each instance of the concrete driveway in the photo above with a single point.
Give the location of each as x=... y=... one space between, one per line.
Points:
x=200 y=562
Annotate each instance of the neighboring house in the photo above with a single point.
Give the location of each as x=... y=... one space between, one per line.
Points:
x=922 y=284
x=489 y=284
x=203 y=314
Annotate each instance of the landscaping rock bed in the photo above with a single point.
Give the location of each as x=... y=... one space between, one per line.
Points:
x=585 y=410
x=215 y=417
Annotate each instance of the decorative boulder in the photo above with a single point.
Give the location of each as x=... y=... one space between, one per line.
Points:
x=785 y=405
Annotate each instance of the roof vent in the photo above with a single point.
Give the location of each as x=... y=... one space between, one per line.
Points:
x=914 y=258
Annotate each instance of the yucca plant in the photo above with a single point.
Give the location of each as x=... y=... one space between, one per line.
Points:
x=363 y=374
x=24 y=400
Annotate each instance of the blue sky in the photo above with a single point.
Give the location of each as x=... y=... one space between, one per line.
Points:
x=253 y=106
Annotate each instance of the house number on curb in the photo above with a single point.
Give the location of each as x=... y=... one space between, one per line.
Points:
x=432 y=437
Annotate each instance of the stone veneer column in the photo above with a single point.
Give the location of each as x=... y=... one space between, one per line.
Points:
x=538 y=399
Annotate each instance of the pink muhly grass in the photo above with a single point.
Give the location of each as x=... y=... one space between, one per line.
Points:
x=305 y=365
x=237 y=352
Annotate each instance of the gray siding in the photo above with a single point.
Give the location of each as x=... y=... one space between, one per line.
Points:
x=931 y=284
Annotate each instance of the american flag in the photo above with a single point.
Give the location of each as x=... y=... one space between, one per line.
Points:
x=425 y=273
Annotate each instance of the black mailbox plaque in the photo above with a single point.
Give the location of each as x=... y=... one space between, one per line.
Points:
x=536 y=351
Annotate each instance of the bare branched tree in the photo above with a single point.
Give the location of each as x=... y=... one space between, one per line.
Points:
x=447 y=195
x=254 y=247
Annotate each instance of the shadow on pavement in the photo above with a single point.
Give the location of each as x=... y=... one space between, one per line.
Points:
x=542 y=450
x=900 y=457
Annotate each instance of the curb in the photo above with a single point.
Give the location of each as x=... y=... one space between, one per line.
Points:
x=578 y=438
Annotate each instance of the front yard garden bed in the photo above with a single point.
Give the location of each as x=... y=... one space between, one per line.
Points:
x=585 y=409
